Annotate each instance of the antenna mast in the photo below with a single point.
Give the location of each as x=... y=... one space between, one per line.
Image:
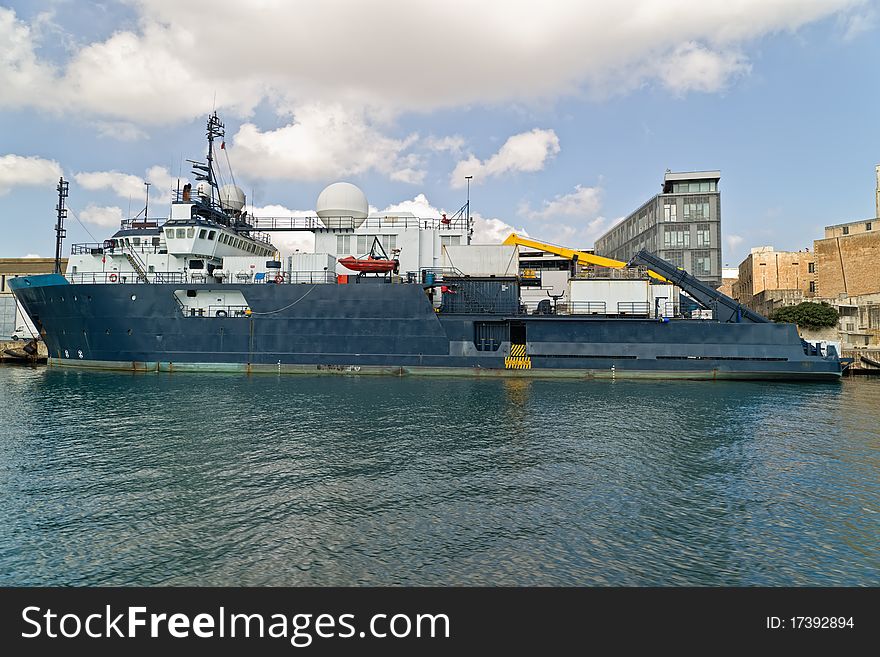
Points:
x=470 y=231
x=215 y=129
x=60 y=233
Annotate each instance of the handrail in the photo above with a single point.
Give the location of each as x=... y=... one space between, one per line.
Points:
x=348 y=223
x=128 y=224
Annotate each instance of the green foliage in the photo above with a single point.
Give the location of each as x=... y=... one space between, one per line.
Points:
x=807 y=315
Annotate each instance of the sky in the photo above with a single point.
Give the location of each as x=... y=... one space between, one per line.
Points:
x=566 y=114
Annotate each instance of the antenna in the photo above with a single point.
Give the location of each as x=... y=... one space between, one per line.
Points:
x=147 y=206
x=468 y=178
x=215 y=129
x=60 y=233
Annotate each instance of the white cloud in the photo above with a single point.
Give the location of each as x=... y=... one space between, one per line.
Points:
x=692 y=67
x=120 y=130
x=180 y=55
x=409 y=175
x=343 y=73
x=580 y=235
x=288 y=242
x=486 y=230
x=527 y=151
x=323 y=142
x=33 y=255
x=860 y=22
x=107 y=216
x=493 y=231
x=733 y=241
x=452 y=144
x=583 y=205
x=19 y=170
x=582 y=202
x=419 y=205
x=128 y=186
x=23 y=77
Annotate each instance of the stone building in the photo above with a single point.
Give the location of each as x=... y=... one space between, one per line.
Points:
x=729 y=277
x=849 y=259
x=769 y=279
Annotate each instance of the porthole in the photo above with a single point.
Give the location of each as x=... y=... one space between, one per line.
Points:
x=129 y=331
x=134 y=297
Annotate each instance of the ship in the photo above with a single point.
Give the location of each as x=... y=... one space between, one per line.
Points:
x=205 y=289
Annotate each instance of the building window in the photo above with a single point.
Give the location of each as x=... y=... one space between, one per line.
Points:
x=181 y=233
x=846 y=230
x=702 y=263
x=669 y=211
x=868 y=225
x=450 y=240
x=677 y=238
x=169 y=233
x=675 y=258
x=811 y=269
x=812 y=286
x=210 y=235
x=202 y=234
x=190 y=233
x=695 y=186
x=703 y=235
x=695 y=209
x=343 y=244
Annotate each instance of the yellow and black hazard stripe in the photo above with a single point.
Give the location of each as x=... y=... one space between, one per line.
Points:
x=518 y=359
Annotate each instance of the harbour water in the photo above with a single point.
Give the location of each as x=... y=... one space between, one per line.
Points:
x=187 y=479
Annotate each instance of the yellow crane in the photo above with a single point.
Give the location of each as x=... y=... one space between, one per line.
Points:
x=581 y=256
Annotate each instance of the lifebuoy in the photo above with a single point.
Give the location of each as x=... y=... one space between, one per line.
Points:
x=113 y=278
x=279 y=278
x=220 y=313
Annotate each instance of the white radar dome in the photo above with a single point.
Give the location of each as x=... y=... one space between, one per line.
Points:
x=203 y=189
x=341 y=202
x=231 y=198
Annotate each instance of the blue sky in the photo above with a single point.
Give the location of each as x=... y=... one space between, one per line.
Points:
x=567 y=115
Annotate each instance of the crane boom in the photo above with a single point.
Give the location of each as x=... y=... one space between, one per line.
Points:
x=581 y=256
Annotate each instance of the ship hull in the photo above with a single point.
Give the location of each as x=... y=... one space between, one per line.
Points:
x=391 y=329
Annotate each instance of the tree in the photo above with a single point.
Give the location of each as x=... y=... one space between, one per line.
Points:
x=807 y=315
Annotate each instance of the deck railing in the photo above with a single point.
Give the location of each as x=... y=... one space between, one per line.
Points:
x=348 y=224
x=200 y=278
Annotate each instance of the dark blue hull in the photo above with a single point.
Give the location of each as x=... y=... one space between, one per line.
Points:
x=392 y=328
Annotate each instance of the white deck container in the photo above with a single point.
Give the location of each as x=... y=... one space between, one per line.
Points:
x=621 y=297
x=482 y=259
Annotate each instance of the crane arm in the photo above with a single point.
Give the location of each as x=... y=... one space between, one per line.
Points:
x=582 y=256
